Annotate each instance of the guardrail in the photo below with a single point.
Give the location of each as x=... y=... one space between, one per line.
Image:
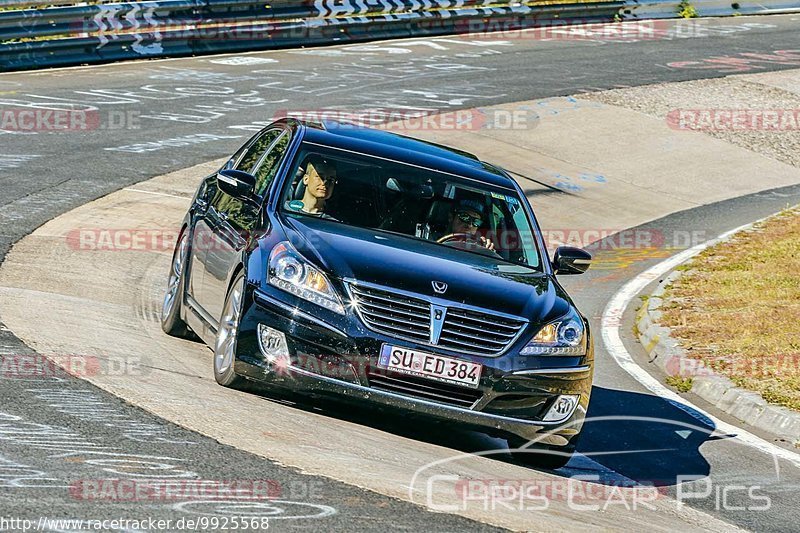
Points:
x=101 y=32
x=49 y=33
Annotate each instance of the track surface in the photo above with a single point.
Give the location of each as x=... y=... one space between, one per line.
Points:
x=44 y=175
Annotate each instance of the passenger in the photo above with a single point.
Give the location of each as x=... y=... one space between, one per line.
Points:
x=320 y=179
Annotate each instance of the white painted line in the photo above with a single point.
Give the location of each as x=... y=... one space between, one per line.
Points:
x=156 y=193
x=611 y=320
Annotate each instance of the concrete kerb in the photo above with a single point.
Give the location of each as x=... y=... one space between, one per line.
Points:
x=672 y=359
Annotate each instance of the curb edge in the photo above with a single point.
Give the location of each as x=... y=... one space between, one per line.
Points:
x=671 y=359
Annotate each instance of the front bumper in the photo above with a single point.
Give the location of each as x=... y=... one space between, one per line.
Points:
x=334 y=355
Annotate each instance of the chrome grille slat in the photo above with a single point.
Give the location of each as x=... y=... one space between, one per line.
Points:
x=465 y=330
x=421 y=304
x=479 y=315
x=482 y=320
x=402 y=320
x=447 y=342
x=473 y=328
x=448 y=331
x=392 y=309
x=394 y=330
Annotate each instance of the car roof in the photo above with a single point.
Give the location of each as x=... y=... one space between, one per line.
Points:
x=404 y=149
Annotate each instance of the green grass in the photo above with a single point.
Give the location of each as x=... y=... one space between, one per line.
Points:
x=738 y=309
x=687 y=10
x=682 y=384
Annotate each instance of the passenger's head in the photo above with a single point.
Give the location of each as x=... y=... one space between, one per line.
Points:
x=320 y=177
x=467 y=216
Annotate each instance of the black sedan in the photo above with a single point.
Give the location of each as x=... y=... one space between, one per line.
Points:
x=346 y=261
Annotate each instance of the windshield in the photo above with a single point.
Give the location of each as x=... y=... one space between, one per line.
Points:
x=368 y=192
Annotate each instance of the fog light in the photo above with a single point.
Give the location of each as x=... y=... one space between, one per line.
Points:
x=562 y=408
x=273 y=345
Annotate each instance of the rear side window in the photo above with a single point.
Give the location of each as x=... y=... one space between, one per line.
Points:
x=253 y=154
x=268 y=166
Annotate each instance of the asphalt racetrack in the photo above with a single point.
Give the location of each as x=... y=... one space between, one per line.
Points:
x=323 y=463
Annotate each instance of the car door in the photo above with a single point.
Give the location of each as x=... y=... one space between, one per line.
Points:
x=202 y=233
x=232 y=220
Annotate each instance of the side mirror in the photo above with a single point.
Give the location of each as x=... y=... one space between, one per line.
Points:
x=236 y=183
x=569 y=260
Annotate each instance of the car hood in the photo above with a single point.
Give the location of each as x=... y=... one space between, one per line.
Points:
x=396 y=261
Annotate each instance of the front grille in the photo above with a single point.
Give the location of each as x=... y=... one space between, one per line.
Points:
x=469 y=331
x=409 y=318
x=393 y=315
x=423 y=388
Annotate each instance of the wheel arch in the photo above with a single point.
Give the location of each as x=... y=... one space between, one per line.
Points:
x=234 y=273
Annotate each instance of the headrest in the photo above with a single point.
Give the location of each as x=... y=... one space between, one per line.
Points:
x=300 y=187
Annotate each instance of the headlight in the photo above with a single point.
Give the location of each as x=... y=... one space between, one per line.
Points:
x=288 y=270
x=566 y=336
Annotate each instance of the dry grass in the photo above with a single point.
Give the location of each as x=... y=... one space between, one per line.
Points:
x=682 y=384
x=737 y=308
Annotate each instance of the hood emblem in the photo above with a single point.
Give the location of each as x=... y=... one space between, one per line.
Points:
x=439 y=287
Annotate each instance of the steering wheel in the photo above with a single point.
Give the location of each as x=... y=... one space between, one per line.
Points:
x=458 y=237
x=467 y=241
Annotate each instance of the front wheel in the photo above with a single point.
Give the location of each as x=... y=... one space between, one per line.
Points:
x=171 y=321
x=227 y=337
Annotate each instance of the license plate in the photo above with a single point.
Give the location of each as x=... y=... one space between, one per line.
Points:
x=428 y=365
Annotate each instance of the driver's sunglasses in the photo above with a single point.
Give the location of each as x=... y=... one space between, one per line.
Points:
x=467 y=219
x=329 y=180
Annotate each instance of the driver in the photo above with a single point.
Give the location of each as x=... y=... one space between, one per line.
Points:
x=466 y=217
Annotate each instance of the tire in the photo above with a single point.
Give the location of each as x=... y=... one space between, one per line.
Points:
x=171 y=321
x=549 y=457
x=225 y=345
